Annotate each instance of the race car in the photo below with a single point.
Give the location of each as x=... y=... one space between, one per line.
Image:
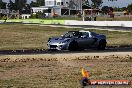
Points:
x=77 y=40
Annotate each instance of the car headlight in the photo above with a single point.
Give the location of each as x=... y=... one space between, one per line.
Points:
x=65 y=41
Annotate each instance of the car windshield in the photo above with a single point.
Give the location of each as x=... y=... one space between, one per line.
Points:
x=71 y=34
x=93 y=34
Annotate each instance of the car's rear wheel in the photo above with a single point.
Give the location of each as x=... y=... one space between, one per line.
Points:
x=73 y=46
x=102 y=45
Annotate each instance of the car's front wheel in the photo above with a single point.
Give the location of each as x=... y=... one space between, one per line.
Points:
x=102 y=45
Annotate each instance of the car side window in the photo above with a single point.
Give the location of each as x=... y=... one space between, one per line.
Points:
x=86 y=34
x=93 y=34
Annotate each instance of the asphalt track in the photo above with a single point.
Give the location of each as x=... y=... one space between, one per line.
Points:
x=46 y=51
x=114 y=28
x=111 y=28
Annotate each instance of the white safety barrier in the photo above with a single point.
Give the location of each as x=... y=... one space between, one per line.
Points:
x=99 y=23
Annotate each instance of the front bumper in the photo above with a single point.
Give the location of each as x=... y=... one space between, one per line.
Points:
x=57 y=46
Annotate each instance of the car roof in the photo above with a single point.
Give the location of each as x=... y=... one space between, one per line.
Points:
x=84 y=31
x=79 y=31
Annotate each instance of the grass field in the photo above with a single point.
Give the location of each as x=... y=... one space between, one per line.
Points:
x=17 y=36
x=116 y=18
x=41 y=71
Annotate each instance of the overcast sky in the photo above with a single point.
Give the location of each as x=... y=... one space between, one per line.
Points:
x=118 y=3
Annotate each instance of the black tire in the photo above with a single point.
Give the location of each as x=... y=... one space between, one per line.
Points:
x=102 y=45
x=73 y=46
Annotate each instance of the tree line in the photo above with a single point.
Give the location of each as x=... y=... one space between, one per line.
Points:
x=21 y=5
x=25 y=8
x=104 y=9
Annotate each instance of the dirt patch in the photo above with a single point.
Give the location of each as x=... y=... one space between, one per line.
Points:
x=66 y=56
x=63 y=70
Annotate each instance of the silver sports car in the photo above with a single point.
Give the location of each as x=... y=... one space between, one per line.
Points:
x=77 y=40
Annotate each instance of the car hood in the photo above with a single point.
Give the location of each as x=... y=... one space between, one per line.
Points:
x=58 y=39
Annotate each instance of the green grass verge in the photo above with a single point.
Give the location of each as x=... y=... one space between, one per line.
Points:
x=38 y=21
x=117 y=18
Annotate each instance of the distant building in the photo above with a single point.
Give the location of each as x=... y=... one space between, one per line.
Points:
x=25 y=16
x=50 y=2
x=90 y=14
x=10 y=13
x=59 y=7
x=39 y=9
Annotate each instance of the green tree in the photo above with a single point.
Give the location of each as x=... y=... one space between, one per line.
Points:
x=129 y=8
x=96 y=3
x=34 y=4
x=116 y=8
x=26 y=9
x=124 y=8
x=85 y=4
x=2 y=4
x=20 y=4
x=11 y=5
x=41 y=2
x=105 y=9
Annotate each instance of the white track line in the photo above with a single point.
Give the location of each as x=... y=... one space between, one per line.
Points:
x=86 y=28
x=80 y=27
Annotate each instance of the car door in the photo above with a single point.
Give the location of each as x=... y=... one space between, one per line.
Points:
x=85 y=40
